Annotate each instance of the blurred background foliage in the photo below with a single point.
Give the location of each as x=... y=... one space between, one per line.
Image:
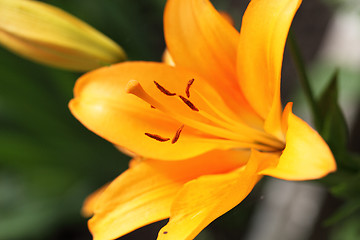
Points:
x=49 y=162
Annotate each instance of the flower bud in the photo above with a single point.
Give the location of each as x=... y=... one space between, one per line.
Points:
x=51 y=36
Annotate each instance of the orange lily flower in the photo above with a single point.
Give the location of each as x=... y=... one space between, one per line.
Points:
x=203 y=129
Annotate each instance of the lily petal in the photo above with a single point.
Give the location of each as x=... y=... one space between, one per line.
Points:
x=167 y=58
x=262 y=39
x=136 y=198
x=144 y=193
x=204 y=199
x=200 y=39
x=104 y=107
x=227 y=17
x=91 y=202
x=306 y=155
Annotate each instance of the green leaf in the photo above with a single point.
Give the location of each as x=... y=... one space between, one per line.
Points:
x=333 y=127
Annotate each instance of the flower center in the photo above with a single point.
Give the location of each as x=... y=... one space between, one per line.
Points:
x=218 y=126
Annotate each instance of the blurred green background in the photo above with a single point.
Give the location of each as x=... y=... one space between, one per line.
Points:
x=49 y=162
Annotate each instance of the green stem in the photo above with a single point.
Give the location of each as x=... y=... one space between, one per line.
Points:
x=303 y=77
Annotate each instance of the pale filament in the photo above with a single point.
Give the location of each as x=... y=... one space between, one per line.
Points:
x=242 y=129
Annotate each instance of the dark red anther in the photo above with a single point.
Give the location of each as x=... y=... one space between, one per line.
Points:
x=177 y=135
x=163 y=90
x=157 y=137
x=190 y=104
x=187 y=91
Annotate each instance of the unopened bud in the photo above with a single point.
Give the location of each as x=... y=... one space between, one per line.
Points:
x=51 y=36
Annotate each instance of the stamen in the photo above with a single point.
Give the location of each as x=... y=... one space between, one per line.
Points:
x=177 y=135
x=134 y=87
x=157 y=137
x=190 y=104
x=163 y=90
x=187 y=91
